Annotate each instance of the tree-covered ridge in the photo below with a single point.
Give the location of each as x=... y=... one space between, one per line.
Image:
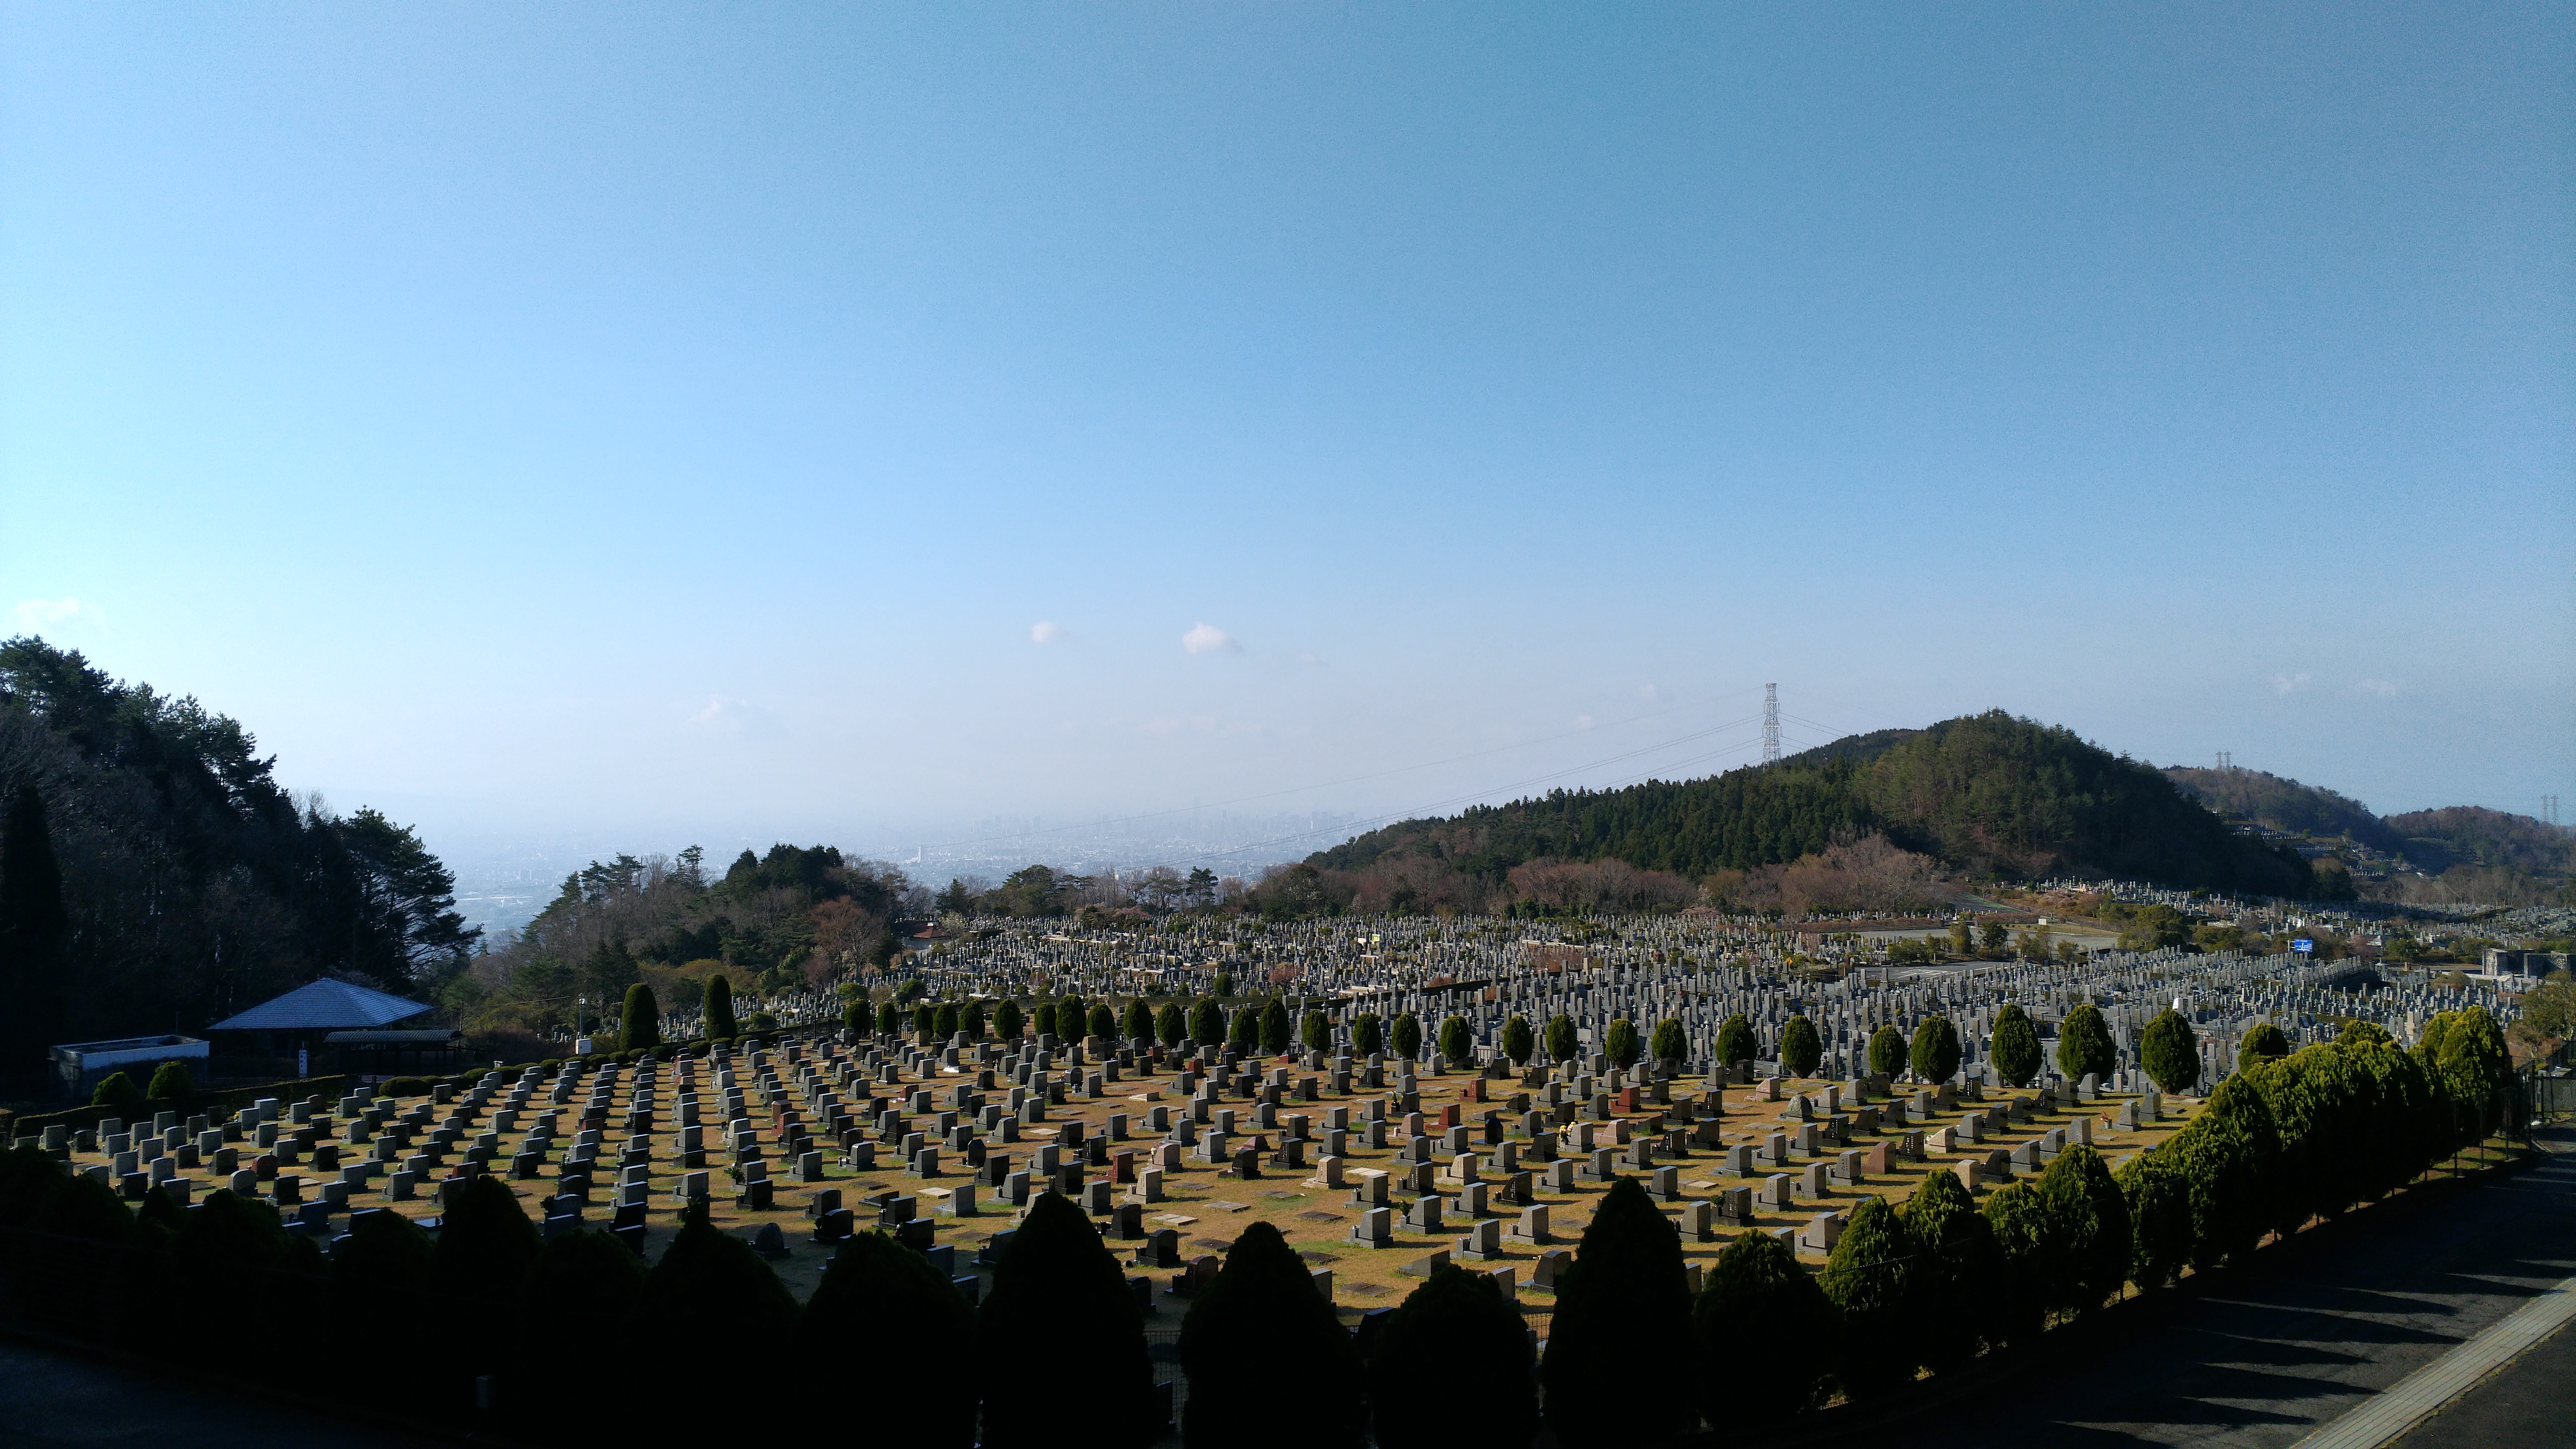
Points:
x=2475 y=835
x=1984 y=793
x=2286 y=805
x=190 y=882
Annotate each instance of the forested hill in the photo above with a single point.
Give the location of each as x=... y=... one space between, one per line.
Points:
x=1985 y=793
x=2286 y=805
x=154 y=876
x=2473 y=835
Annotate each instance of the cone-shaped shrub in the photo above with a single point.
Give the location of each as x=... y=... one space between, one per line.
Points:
x=1275 y=1026
x=856 y=1017
x=2084 y=1046
x=485 y=1244
x=2358 y=1032
x=1935 y=1052
x=1620 y=1043
x=1008 y=1023
x=1243 y=1032
x=1518 y=1040
x=1457 y=1041
x=709 y=1277
x=1171 y=1024
x=28 y=1179
x=1622 y=1317
x=1455 y=1329
x=1669 y=1045
x=230 y=1252
x=382 y=1276
x=1368 y=1034
x=2027 y=1284
x=1103 y=1022
x=584 y=1277
x=1887 y=1052
x=1561 y=1040
x=1408 y=1035
x=943 y=1021
x=925 y=1018
x=1207 y=1021
x=1800 y=1047
x=1138 y=1019
x=2261 y=1040
x=878 y=1294
x=1315 y=1031
x=1057 y=1272
x=2016 y=1045
x=2159 y=1204
x=970 y=1020
x=889 y=1018
x=1870 y=1278
x=1764 y=1331
x=2090 y=1221
x=2228 y=1154
x=719 y=1008
x=1955 y=1271
x=1261 y=1324
x=639 y=1022
x=172 y=1083
x=117 y=1090
x=1072 y=1016
x=74 y=1292
x=2170 y=1052
x=1735 y=1040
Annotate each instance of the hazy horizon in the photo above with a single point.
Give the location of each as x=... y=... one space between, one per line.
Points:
x=570 y=426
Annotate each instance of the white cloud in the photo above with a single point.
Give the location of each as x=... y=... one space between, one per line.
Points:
x=2384 y=688
x=1206 y=638
x=1048 y=631
x=2289 y=684
x=737 y=718
x=37 y=613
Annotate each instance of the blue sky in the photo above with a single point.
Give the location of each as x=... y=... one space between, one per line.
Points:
x=682 y=420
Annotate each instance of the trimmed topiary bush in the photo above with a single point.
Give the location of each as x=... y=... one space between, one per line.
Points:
x=639 y=1021
x=709 y=1277
x=585 y=1276
x=944 y=1020
x=1956 y=1268
x=2015 y=1046
x=856 y=1018
x=1800 y=1047
x=2028 y=1283
x=2170 y=1051
x=2084 y=1046
x=1315 y=1030
x=1562 y=1042
x=970 y=1020
x=1368 y=1034
x=1261 y=1323
x=1243 y=1033
x=1207 y=1021
x=172 y=1083
x=875 y=1292
x=1103 y=1022
x=1621 y=1045
x=1736 y=1042
x=485 y=1244
x=2158 y=1201
x=1935 y=1053
x=2261 y=1041
x=1056 y=1272
x=117 y=1091
x=1408 y=1035
x=2090 y=1222
x=1518 y=1040
x=1623 y=1317
x=1869 y=1278
x=925 y=1019
x=1454 y=1329
x=1457 y=1042
x=1764 y=1332
x=719 y=1008
x=1138 y=1019
x=1669 y=1045
x=1887 y=1052
x=889 y=1018
x=1171 y=1024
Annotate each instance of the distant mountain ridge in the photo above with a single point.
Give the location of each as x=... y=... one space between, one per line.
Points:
x=2286 y=805
x=1985 y=794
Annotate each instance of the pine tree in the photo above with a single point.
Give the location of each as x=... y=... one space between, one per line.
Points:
x=2170 y=1052
x=1561 y=1040
x=1935 y=1053
x=1057 y=1271
x=1261 y=1323
x=1887 y=1052
x=1763 y=1330
x=1518 y=1040
x=719 y=1009
x=2084 y=1046
x=639 y=1022
x=1620 y=1043
x=1454 y=1329
x=876 y=1292
x=1623 y=1315
x=1735 y=1041
x=2015 y=1046
x=1870 y=1277
x=1800 y=1047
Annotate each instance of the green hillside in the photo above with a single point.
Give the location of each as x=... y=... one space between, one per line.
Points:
x=2286 y=805
x=1987 y=794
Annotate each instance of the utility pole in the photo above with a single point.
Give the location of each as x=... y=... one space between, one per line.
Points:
x=1770 y=724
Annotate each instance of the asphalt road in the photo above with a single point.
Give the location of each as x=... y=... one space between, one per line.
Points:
x=50 y=1398
x=2263 y=1357
x=2528 y=1403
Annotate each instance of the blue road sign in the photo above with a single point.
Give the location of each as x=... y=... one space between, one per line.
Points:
x=2303 y=945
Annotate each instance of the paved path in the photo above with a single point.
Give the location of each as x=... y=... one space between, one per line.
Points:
x=49 y=1398
x=2528 y=1403
x=2268 y=1357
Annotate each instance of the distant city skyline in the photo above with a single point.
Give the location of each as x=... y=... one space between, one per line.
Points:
x=848 y=426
